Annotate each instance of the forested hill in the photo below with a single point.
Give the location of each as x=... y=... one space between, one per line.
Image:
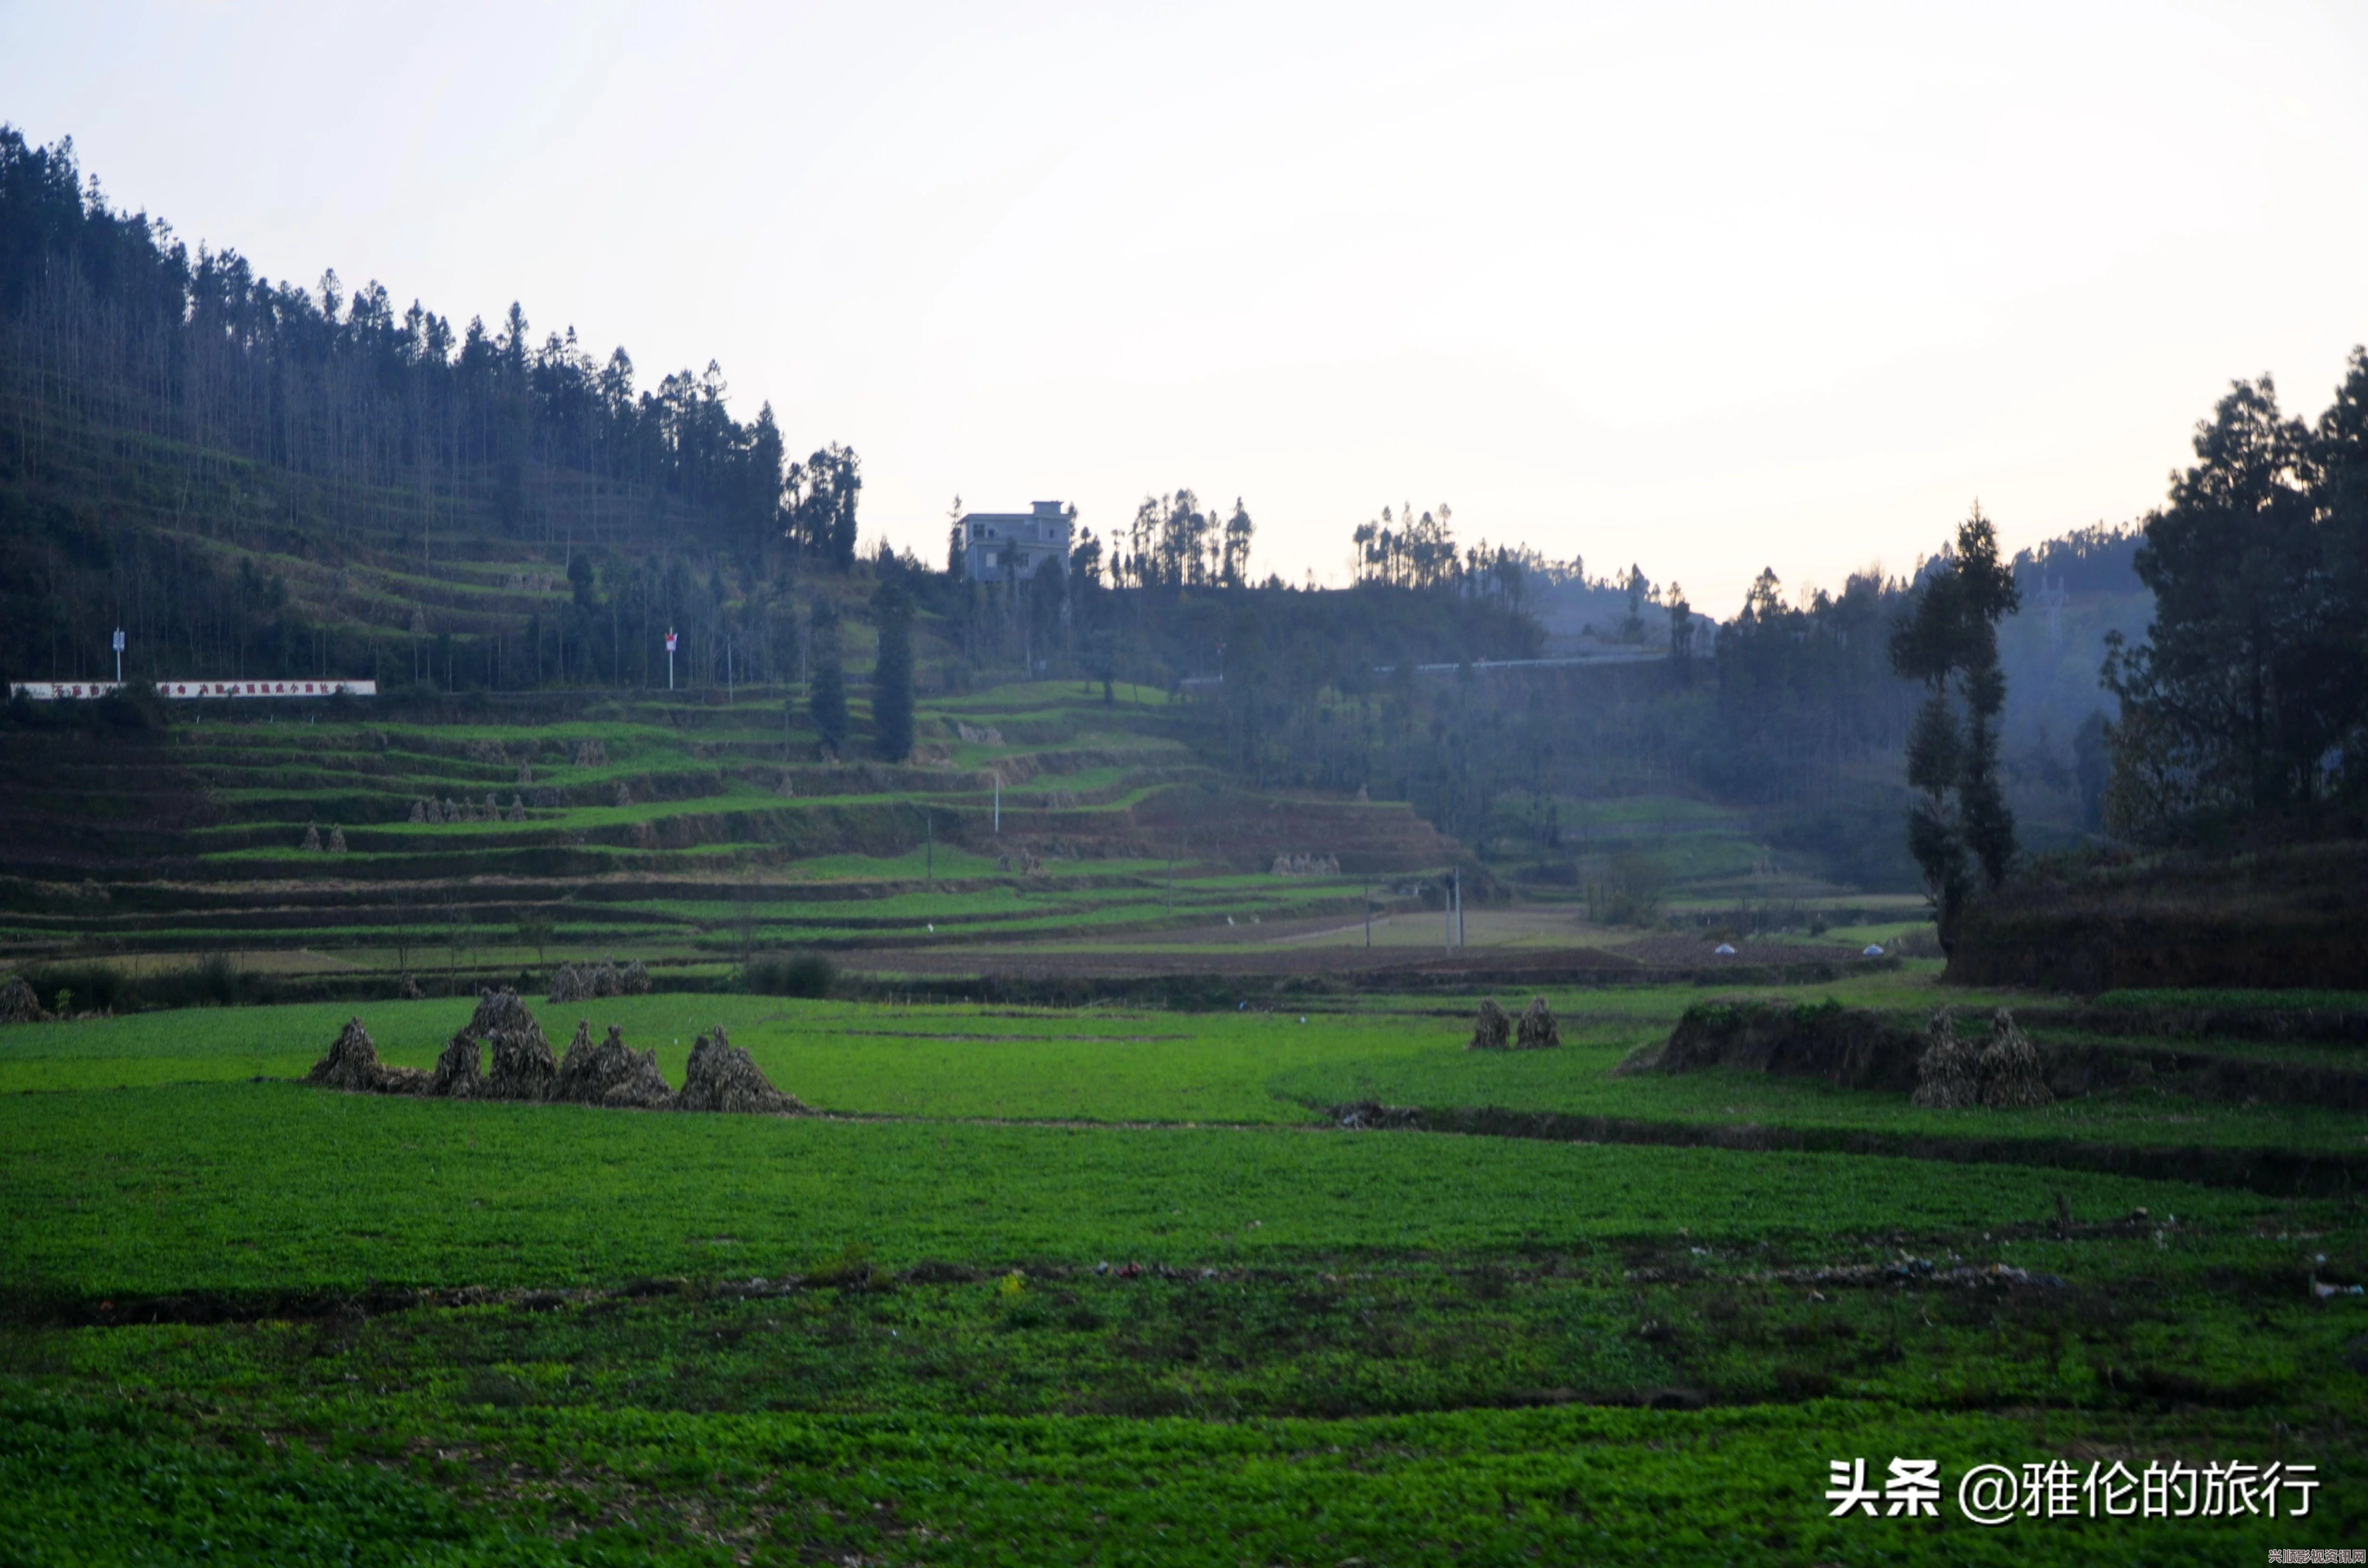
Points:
x=257 y=478
x=185 y=445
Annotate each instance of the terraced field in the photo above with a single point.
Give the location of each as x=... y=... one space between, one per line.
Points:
x=505 y=835
x=1115 y=1284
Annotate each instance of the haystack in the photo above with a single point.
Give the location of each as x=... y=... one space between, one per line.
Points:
x=2008 y=1068
x=459 y=1073
x=590 y=982
x=1493 y=1030
x=19 y=1004
x=498 y=1009
x=1946 y=1076
x=1537 y=1029
x=518 y=810
x=408 y=990
x=311 y=839
x=523 y=1066
x=624 y=795
x=610 y=1073
x=336 y=841
x=352 y=1061
x=721 y=1077
x=352 y=1064
x=418 y=813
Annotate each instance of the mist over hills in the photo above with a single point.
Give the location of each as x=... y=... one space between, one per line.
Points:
x=257 y=478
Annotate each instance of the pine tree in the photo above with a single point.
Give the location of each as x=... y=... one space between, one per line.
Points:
x=1960 y=821
x=2250 y=677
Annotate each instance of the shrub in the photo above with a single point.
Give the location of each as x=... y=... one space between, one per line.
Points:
x=213 y=982
x=788 y=974
x=85 y=987
x=1630 y=894
x=852 y=1269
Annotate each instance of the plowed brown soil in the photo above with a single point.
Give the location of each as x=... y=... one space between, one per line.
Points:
x=1106 y=963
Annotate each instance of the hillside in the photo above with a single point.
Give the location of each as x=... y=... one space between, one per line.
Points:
x=257 y=479
x=676 y=831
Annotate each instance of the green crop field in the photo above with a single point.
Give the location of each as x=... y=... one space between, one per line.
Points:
x=1108 y=1284
x=671 y=829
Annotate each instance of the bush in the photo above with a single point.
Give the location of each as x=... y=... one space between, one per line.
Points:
x=85 y=987
x=213 y=982
x=788 y=974
x=852 y=1269
x=94 y=987
x=1630 y=894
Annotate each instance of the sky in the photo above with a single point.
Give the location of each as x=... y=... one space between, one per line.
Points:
x=1705 y=288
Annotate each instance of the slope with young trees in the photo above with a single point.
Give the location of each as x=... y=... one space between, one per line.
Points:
x=255 y=478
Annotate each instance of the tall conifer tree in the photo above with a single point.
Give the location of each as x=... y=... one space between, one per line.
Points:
x=1960 y=823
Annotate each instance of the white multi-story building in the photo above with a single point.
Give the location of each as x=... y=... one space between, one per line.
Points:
x=997 y=545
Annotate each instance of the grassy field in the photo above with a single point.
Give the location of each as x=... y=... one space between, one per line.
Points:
x=1104 y=1284
x=1117 y=1065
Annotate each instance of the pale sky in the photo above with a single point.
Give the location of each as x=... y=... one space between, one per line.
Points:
x=1708 y=288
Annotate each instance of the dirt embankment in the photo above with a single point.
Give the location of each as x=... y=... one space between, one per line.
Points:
x=1318 y=968
x=1853 y=1048
x=2295 y=917
x=1849 y=1048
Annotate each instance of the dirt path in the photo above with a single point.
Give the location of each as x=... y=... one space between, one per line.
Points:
x=1547 y=964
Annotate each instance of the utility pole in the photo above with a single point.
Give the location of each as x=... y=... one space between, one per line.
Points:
x=1369 y=914
x=998 y=802
x=118 y=655
x=669 y=658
